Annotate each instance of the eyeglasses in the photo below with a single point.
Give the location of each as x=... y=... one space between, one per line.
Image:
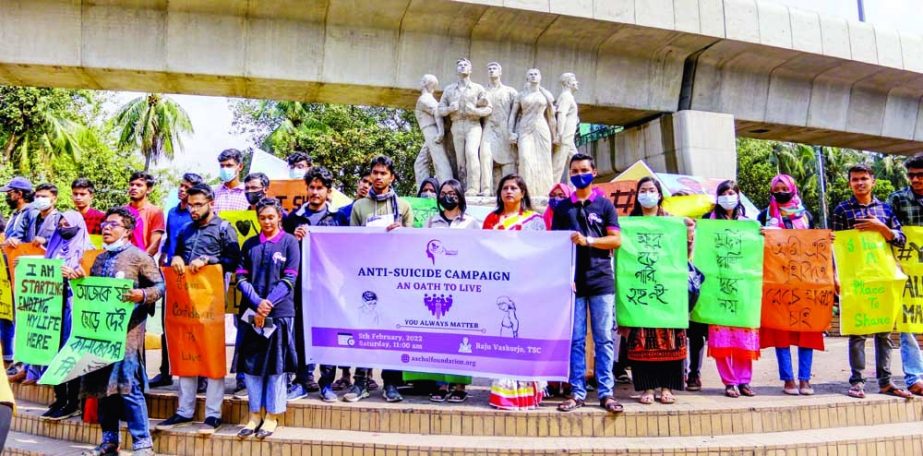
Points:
x=105 y=225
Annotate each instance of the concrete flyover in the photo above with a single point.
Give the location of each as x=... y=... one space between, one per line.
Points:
x=780 y=73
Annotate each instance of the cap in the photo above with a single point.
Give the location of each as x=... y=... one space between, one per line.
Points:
x=18 y=183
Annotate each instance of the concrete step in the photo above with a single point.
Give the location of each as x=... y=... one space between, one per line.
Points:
x=882 y=439
x=21 y=444
x=705 y=413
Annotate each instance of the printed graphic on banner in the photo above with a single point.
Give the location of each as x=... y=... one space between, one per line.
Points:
x=730 y=254
x=98 y=329
x=910 y=257
x=245 y=222
x=621 y=193
x=39 y=303
x=798 y=285
x=195 y=322
x=423 y=209
x=652 y=274
x=461 y=302
x=870 y=282
x=6 y=291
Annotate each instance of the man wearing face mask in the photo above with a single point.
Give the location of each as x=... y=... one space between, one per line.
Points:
x=299 y=165
x=315 y=212
x=18 y=230
x=177 y=218
x=255 y=186
x=46 y=196
x=593 y=221
x=230 y=194
x=207 y=240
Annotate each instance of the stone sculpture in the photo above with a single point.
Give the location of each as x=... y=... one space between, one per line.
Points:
x=532 y=129
x=498 y=156
x=432 y=153
x=567 y=122
x=465 y=103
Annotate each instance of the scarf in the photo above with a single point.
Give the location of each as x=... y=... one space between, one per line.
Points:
x=389 y=195
x=549 y=213
x=70 y=250
x=516 y=222
x=793 y=210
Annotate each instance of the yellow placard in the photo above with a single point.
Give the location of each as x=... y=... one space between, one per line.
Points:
x=910 y=257
x=244 y=222
x=870 y=282
x=6 y=291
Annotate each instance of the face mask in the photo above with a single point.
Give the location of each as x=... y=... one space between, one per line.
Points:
x=42 y=203
x=68 y=232
x=728 y=202
x=783 y=197
x=449 y=202
x=255 y=197
x=227 y=174
x=297 y=173
x=648 y=200
x=428 y=195
x=115 y=245
x=582 y=180
x=553 y=202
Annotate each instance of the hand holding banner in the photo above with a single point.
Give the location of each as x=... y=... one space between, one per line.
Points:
x=21 y=250
x=910 y=318
x=99 y=325
x=194 y=322
x=730 y=254
x=797 y=280
x=870 y=282
x=39 y=304
x=652 y=273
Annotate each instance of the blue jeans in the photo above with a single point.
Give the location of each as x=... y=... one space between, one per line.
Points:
x=602 y=319
x=6 y=338
x=911 y=359
x=133 y=408
x=805 y=359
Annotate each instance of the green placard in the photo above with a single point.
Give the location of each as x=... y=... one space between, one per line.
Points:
x=98 y=332
x=652 y=274
x=39 y=294
x=730 y=255
x=423 y=209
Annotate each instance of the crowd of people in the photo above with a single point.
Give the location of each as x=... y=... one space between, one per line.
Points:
x=138 y=240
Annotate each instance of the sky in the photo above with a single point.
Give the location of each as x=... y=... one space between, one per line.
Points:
x=211 y=116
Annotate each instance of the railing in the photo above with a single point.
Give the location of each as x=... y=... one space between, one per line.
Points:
x=596 y=133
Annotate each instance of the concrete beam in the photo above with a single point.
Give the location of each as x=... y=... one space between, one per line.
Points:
x=794 y=74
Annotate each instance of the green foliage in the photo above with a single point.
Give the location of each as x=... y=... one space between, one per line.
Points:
x=97 y=159
x=154 y=125
x=758 y=161
x=341 y=138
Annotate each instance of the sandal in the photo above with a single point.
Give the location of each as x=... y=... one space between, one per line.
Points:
x=694 y=383
x=805 y=389
x=458 y=396
x=857 y=391
x=611 y=405
x=790 y=389
x=439 y=396
x=667 y=397
x=646 y=398
x=894 y=391
x=623 y=379
x=746 y=390
x=916 y=389
x=571 y=404
x=731 y=391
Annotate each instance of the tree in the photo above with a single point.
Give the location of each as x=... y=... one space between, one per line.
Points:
x=339 y=137
x=39 y=125
x=154 y=125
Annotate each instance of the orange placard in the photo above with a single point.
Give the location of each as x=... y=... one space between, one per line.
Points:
x=26 y=249
x=622 y=194
x=797 y=280
x=89 y=257
x=194 y=322
x=291 y=193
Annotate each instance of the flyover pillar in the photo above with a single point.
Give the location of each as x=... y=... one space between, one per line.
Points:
x=696 y=143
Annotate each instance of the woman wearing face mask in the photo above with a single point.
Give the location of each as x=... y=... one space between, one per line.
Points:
x=786 y=212
x=428 y=188
x=656 y=355
x=452 y=205
x=69 y=241
x=734 y=349
x=558 y=193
